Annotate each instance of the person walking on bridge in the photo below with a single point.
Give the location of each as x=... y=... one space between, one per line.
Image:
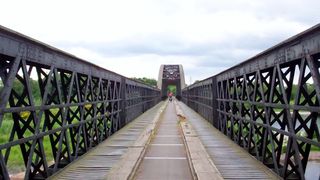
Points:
x=170 y=96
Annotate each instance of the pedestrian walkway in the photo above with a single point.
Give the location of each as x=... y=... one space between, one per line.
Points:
x=166 y=156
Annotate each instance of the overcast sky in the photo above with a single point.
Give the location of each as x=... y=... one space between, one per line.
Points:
x=134 y=37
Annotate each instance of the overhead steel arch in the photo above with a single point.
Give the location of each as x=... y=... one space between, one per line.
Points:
x=171 y=75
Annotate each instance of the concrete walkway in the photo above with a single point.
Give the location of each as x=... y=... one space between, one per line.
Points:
x=166 y=156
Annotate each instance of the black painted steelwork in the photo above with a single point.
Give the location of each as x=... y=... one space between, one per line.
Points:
x=171 y=72
x=81 y=104
x=268 y=104
x=139 y=98
x=171 y=76
x=199 y=97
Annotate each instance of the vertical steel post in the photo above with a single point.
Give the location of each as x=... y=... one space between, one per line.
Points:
x=215 y=114
x=123 y=102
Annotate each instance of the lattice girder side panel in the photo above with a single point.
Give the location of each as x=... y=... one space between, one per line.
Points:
x=138 y=98
x=89 y=113
x=100 y=106
x=55 y=117
x=37 y=164
x=184 y=93
x=251 y=132
x=230 y=107
x=222 y=106
x=24 y=119
x=200 y=98
x=245 y=129
x=265 y=81
x=8 y=69
x=76 y=114
x=106 y=96
x=273 y=113
x=237 y=106
x=133 y=106
x=67 y=79
x=302 y=121
x=95 y=93
x=73 y=113
x=116 y=107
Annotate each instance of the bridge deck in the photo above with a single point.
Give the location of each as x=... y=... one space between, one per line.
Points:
x=231 y=160
x=109 y=160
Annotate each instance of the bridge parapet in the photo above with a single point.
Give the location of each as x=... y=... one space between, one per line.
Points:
x=54 y=106
x=199 y=97
x=268 y=104
x=139 y=98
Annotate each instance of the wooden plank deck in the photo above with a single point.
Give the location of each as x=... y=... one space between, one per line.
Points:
x=232 y=161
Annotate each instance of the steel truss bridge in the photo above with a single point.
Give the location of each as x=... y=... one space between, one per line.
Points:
x=268 y=104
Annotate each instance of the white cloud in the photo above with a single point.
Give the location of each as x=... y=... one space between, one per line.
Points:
x=134 y=37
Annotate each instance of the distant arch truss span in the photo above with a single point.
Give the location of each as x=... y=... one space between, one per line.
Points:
x=171 y=75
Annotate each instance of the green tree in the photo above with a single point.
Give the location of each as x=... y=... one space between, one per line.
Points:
x=172 y=88
x=35 y=91
x=148 y=81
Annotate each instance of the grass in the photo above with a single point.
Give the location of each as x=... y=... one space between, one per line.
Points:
x=15 y=160
x=315 y=148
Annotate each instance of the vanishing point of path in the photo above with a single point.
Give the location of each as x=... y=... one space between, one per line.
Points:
x=166 y=156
